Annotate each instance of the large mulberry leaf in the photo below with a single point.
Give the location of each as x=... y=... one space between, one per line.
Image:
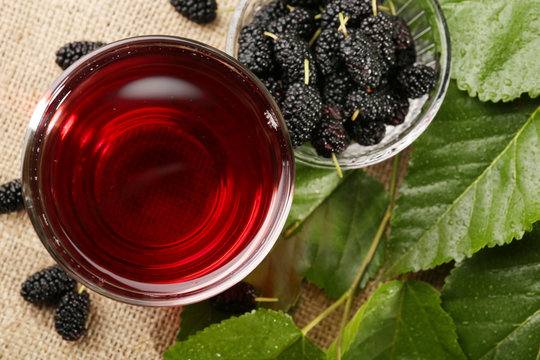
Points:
x=474 y=181
x=259 y=335
x=401 y=320
x=494 y=299
x=495 y=47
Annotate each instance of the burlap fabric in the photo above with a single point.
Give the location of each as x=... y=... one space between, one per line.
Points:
x=31 y=32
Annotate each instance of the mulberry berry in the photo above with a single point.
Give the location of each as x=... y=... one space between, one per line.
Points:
x=302 y=111
x=400 y=107
x=403 y=42
x=291 y=53
x=275 y=89
x=379 y=24
x=362 y=60
x=71 y=52
x=417 y=80
x=386 y=50
x=366 y=106
x=337 y=86
x=199 y=11
x=47 y=285
x=270 y=12
x=11 y=197
x=366 y=133
x=71 y=313
x=236 y=300
x=329 y=135
x=255 y=49
x=327 y=50
x=355 y=10
x=300 y=22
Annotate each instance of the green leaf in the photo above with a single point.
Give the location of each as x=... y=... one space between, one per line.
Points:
x=196 y=317
x=337 y=235
x=473 y=182
x=495 y=47
x=401 y=320
x=277 y=276
x=332 y=241
x=494 y=299
x=312 y=186
x=259 y=335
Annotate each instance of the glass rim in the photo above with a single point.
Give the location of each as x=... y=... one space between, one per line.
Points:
x=410 y=134
x=196 y=289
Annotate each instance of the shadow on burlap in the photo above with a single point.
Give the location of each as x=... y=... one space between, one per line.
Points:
x=31 y=31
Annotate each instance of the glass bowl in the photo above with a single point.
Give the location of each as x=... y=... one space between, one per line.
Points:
x=159 y=92
x=428 y=26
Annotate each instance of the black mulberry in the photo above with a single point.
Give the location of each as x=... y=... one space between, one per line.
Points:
x=366 y=133
x=362 y=60
x=47 y=285
x=11 y=197
x=329 y=135
x=355 y=10
x=327 y=50
x=417 y=80
x=291 y=54
x=236 y=300
x=302 y=111
x=270 y=12
x=73 y=51
x=379 y=24
x=366 y=106
x=255 y=49
x=71 y=313
x=336 y=88
x=300 y=22
x=275 y=89
x=199 y=11
x=403 y=42
x=386 y=50
x=400 y=107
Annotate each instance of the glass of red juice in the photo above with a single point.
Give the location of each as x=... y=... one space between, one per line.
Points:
x=158 y=171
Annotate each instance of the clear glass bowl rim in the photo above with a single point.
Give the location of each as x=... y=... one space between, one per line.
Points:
x=201 y=288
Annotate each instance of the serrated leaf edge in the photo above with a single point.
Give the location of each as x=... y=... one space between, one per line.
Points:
x=495 y=348
x=253 y=312
x=389 y=272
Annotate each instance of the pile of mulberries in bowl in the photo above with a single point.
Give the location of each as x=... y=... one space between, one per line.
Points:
x=341 y=71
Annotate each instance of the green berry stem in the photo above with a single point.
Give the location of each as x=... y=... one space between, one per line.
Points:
x=342 y=24
x=384 y=8
x=291 y=230
x=355 y=114
x=392 y=7
x=81 y=289
x=221 y=11
x=273 y=36
x=315 y=36
x=374 y=6
x=336 y=164
x=324 y=314
x=369 y=256
x=266 y=299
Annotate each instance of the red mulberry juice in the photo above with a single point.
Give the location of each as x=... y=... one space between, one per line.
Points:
x=164 y=164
